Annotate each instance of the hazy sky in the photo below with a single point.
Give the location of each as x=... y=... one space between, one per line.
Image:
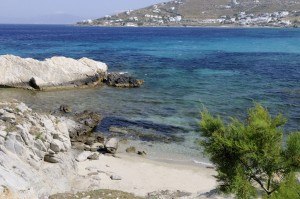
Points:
x=64 y=11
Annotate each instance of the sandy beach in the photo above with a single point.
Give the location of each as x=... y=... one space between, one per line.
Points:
x=142 y=176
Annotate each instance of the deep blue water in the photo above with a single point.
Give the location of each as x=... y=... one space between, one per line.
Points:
x=185 y=69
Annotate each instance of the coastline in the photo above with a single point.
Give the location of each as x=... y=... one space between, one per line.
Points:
x=48 y=158
x=98 y=103
x=221 y=26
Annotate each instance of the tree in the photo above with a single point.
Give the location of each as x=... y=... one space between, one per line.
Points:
x=251 y=156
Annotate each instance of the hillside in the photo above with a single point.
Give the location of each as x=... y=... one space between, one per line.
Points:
x=264 y=13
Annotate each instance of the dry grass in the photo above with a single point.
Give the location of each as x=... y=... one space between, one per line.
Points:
x=104 y=194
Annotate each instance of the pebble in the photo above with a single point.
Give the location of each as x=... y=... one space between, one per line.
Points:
x=115 y=177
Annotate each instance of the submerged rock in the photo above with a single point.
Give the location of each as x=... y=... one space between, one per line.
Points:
x=82 y=125
x=131 y=149
x=52 y=73
x=141 y=129
x=123 y=80
x=65 y=108
x=141 y=153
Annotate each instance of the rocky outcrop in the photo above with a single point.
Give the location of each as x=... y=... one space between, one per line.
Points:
x=123 y=80
x=53 y=73
x=36 y=159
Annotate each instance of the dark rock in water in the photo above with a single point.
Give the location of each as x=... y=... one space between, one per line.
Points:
x=87 y=121
x=122 y=80
x=131 y=149
x=33 y=83
x=65 y=108
x=141 y=153
x=143 y=130
x=111 y=145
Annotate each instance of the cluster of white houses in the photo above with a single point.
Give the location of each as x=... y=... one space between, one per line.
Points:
x=275 y=18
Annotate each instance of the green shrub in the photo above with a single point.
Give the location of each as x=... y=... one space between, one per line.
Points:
x=251 y=154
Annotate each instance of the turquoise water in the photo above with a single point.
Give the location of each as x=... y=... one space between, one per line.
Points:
x=185 y=69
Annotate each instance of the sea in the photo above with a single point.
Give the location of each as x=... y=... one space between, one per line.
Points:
x=186 y=70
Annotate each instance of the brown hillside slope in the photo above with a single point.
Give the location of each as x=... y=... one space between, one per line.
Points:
x=263 y=13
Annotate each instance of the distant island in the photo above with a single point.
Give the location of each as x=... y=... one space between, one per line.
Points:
x=229 y=13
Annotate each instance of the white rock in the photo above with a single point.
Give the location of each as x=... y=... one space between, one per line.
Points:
x=112 y=145
x=3 y=133
x=115 y=177
x=40 y=145
x=22 y=168
x=8 y=117
x=2 y=140
x=24 y=132
x=53 y=72
x=48 y=124
x=94 y=65
x=39 y=154
x=57 y=146
x=10 y=143
x=65 y=140
x=63 y=128
x=20 y=149
x=83 y=156
x=23 y=108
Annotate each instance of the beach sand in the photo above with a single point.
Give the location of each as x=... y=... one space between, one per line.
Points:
x=141 y=176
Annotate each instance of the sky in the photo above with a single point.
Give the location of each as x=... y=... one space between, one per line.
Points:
x=64 y=11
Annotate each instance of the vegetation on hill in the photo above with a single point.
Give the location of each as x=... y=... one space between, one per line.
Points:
x=250 y=157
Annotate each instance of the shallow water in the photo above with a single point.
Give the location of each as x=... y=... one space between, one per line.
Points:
x=185 y=70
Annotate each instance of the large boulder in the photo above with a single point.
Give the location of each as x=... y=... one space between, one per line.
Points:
x=123 y=80
x=53 y=73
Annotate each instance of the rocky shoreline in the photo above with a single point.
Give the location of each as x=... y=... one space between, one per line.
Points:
x=59 y=73
x=44 y=154
x=64 y=151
